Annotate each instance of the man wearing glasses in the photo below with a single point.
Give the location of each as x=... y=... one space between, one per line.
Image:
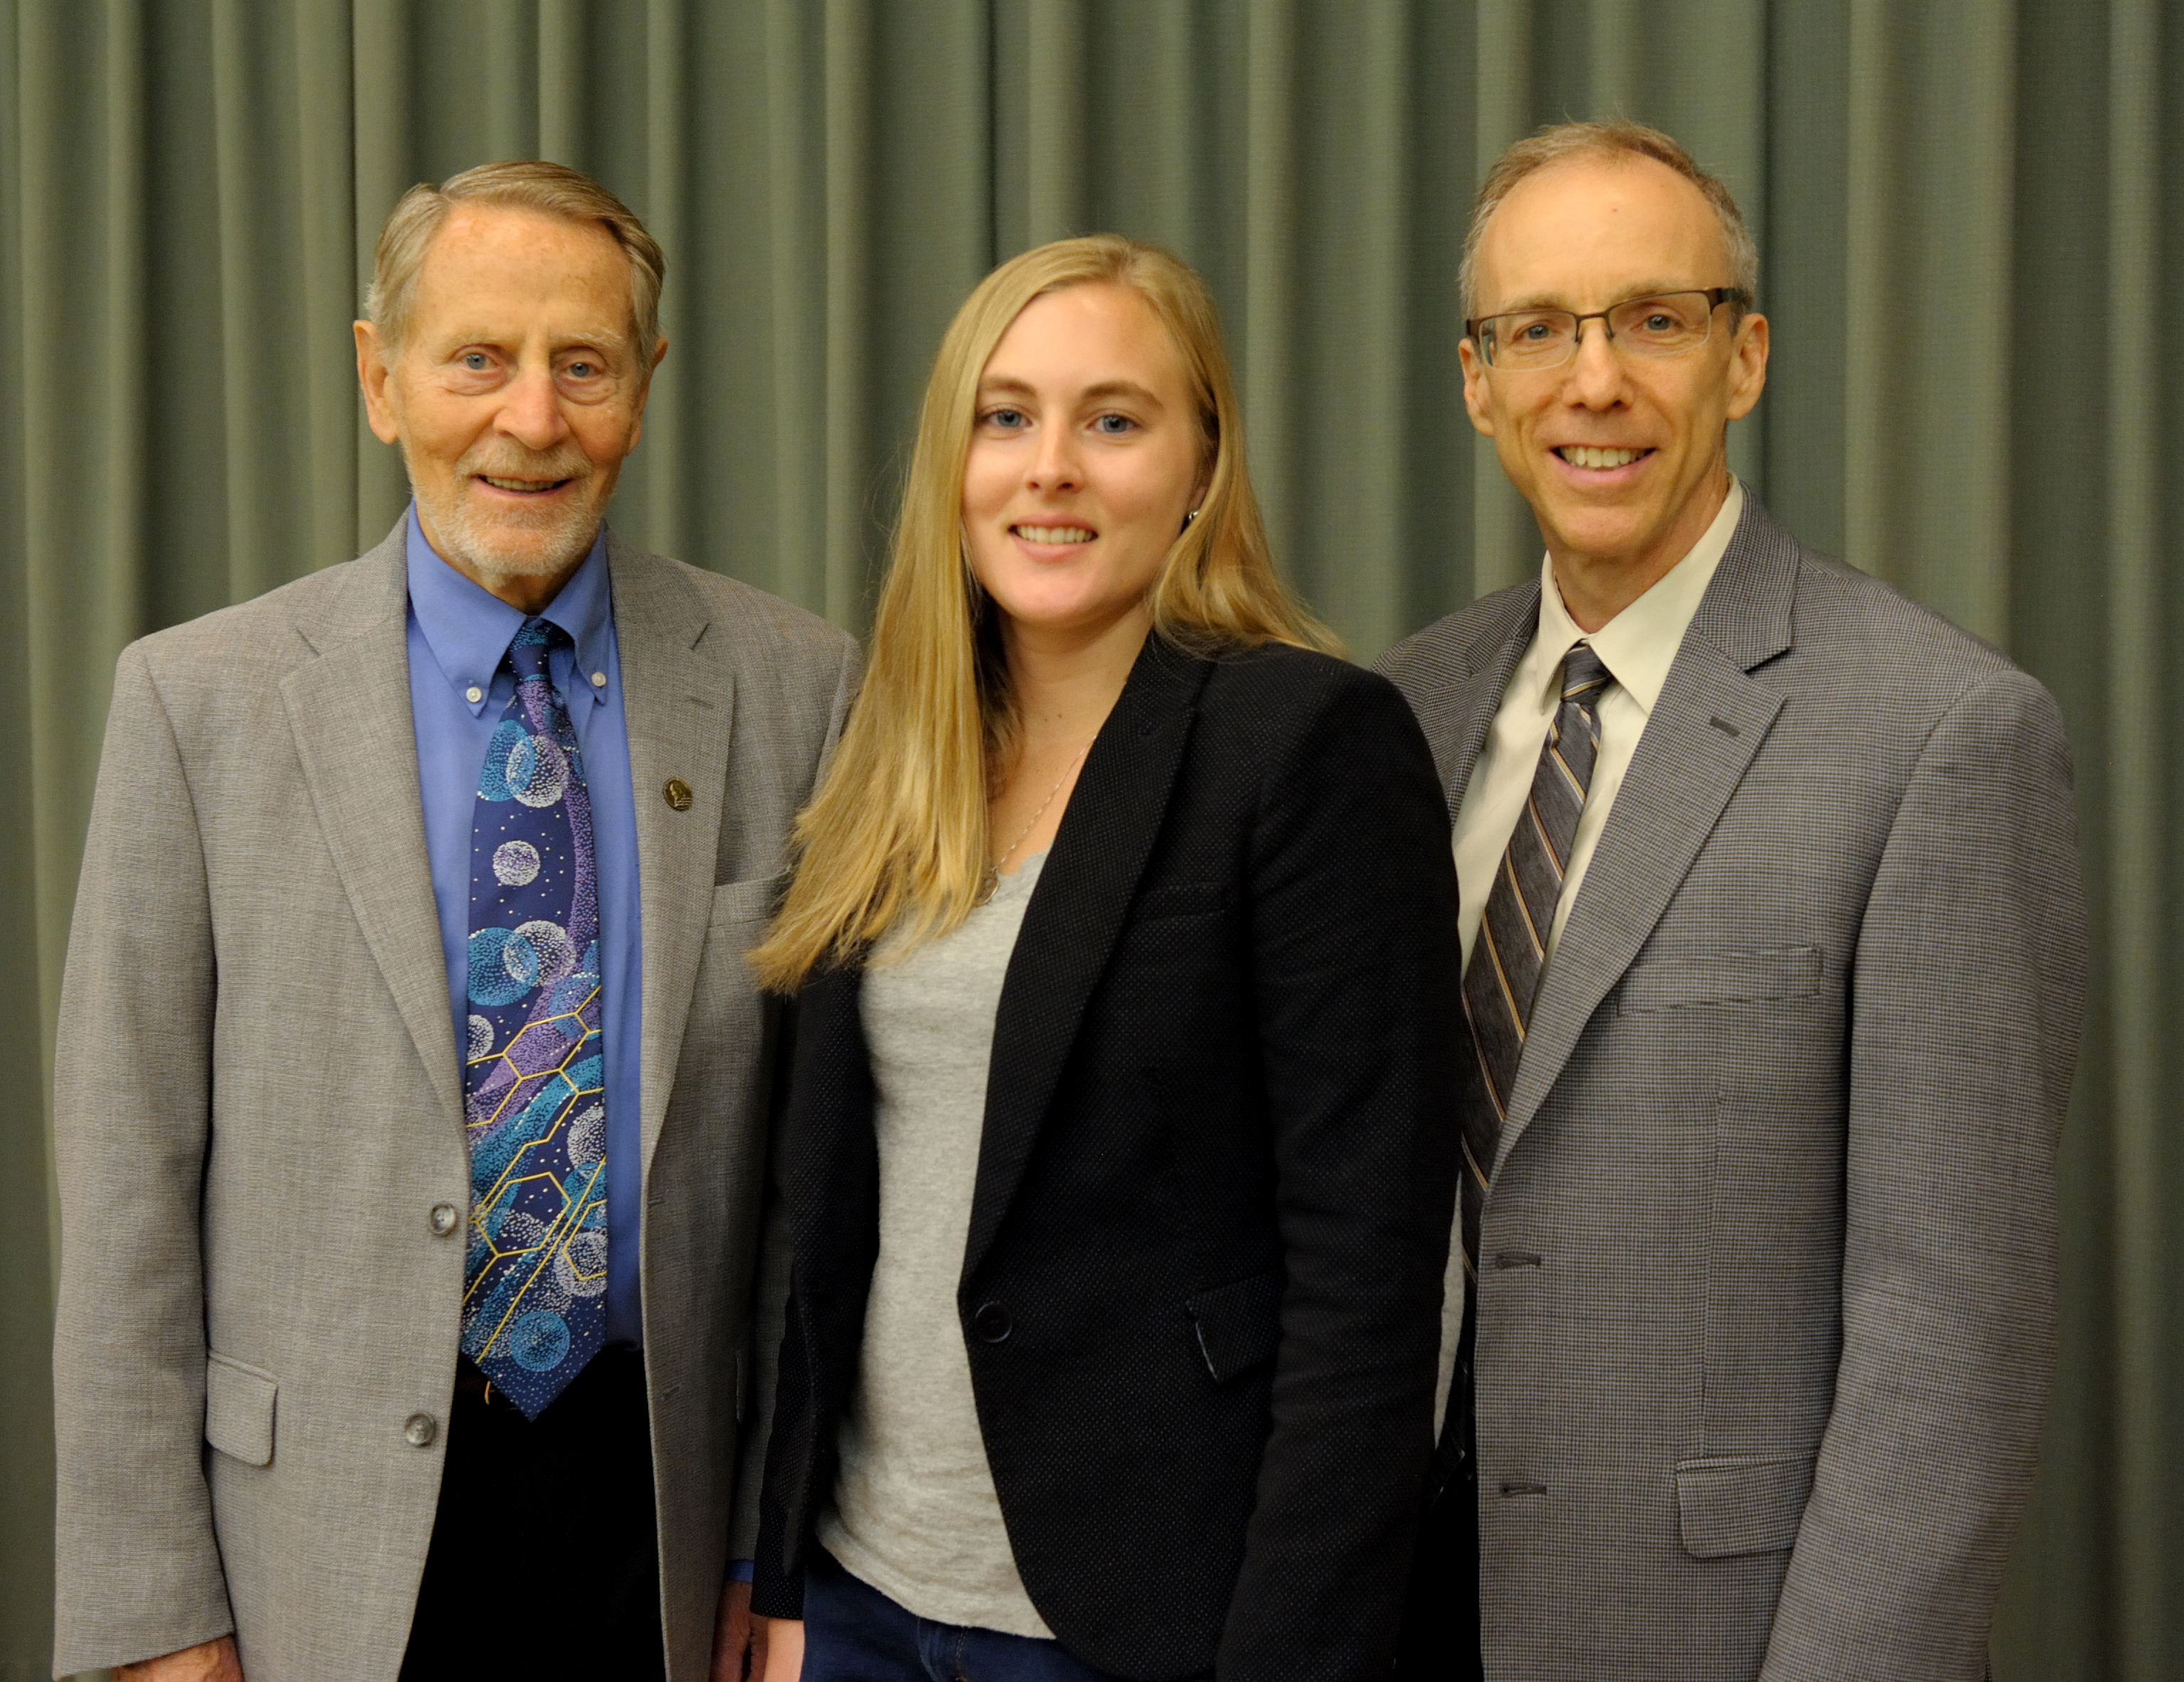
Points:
x=1774 y=954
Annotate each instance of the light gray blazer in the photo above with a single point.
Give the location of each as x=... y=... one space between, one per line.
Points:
x=1767 y=1301
x=259 y=1103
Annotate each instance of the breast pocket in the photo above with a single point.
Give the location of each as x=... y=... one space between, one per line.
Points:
x=748 y=901
x=1756 y=977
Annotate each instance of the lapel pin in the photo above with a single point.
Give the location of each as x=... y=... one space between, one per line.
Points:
x=678 y=794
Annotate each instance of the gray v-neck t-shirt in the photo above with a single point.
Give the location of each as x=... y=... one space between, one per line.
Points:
x=915 y=1514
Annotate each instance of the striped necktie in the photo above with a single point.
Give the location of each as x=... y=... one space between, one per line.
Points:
x=1503 y=977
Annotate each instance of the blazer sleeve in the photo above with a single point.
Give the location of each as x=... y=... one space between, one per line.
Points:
x=1965 y=1015
x=770 y=1283
x=138 y=1570
x=1356 y=962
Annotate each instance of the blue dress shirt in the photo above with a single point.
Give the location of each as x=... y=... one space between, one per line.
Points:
x=460 y=685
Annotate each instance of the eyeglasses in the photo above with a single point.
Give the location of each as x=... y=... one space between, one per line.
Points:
x=1664 y=324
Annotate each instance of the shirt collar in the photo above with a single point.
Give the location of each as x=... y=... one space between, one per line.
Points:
x=1639 y=645
x=468 y=628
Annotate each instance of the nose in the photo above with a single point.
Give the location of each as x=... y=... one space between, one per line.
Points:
x=1596 y=371
x=1055 y=463
x=531 y=410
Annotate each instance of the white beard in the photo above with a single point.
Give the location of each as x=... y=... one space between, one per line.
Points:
x=520 y=542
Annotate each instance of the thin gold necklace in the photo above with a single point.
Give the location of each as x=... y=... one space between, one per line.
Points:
x=990 y=883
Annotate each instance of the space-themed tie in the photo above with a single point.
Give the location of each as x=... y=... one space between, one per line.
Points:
x=534 y=1285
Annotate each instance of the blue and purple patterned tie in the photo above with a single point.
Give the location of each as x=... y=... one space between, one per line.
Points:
x=534 y=1286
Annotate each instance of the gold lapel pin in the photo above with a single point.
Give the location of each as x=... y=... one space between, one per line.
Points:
x=678 y=794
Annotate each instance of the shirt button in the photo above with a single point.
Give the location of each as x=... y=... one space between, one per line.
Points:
x=474 y=694
x=992 y=1323
x=419 y=1430
x=444 y=1217
x=598 y=680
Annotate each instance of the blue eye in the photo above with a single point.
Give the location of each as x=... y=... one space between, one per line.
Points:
x=583 y=370
x=477 y=361
x=1009 y=420
x=1115 y=426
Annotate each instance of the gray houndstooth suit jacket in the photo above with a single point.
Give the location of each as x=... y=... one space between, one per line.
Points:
x=259 y=1103
x=1766 y=1308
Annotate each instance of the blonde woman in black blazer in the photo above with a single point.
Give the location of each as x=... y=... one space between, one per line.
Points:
x=1209 y=1200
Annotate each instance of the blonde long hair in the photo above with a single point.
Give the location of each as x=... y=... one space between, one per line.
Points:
x=896 y=836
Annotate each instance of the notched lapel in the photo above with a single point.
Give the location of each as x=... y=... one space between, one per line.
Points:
x=1709 y=723
x=349 y=712
x=1700 y=741
x=1075 y=915
x=1494 y=659
x=678 y=708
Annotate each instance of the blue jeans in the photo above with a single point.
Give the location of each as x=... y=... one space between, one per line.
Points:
x=852 y=1633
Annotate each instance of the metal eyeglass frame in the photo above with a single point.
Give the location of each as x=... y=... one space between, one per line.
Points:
x=1714 y=296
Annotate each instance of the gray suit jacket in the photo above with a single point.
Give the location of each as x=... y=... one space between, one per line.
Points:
x=260 y=1101
x=1767 y=1300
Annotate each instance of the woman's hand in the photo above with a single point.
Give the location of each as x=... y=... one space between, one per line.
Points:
x=784 y=1645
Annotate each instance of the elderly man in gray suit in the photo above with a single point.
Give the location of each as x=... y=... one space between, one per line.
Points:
x=412 y=1087
x=1774 y=961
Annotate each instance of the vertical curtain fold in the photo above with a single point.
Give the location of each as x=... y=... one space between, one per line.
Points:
x=1967 y=211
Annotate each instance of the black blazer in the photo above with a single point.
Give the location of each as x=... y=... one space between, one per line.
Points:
x=1201 y=1291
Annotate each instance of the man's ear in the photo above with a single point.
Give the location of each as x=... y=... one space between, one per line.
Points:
x=372 y=372
x=1475 y=389
x=644 y=395
x=1748 y=366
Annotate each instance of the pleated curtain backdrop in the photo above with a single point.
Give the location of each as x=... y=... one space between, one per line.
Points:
x=1968 y=208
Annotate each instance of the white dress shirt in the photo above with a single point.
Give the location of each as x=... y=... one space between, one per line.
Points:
x=1637 y=646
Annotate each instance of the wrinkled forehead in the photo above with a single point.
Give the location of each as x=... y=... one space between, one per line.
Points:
x=492 y=270
x=1588 y=230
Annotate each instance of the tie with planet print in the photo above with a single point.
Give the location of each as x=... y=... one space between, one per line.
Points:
x=534 y=1285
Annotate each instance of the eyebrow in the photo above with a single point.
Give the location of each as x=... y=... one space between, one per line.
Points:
x=1003 y=386
x=1558 y=301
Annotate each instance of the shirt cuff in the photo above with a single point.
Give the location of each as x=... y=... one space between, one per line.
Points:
x=740 y=1570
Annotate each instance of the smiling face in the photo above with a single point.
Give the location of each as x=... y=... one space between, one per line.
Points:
x=1086 y=455
x=1622 y=457
x=515 y=393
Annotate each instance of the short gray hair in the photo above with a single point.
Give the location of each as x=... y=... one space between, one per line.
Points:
x=528 y=184
x=1617 y=138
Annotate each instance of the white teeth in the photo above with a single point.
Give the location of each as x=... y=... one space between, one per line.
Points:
x=1054 y=534
x=1584 y=455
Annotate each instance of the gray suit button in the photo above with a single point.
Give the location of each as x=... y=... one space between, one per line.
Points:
x=419 y=1430
x=444 y=1217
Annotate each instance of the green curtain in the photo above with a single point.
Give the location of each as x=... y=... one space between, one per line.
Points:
x=1967 y=208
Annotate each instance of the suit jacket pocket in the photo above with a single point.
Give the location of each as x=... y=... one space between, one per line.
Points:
x=1239 y=1324
x=239 y=1410
x=1722 y=978
x=1742 y=1503
x=744 y=901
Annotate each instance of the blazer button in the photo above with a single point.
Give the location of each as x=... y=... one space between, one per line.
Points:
x=419 y=1430
x=444 y=1217
x=992 y=1323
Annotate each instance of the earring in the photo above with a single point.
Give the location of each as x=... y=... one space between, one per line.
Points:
x=1189 y=517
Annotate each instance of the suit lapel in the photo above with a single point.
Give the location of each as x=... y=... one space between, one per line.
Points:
x=1075 y=915
x=349 y=712
x=1701 y=740
x=678 y=708
x=1464 y=716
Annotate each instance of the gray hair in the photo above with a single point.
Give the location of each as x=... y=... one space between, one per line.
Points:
x=529 y=184
x=1618 y=138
